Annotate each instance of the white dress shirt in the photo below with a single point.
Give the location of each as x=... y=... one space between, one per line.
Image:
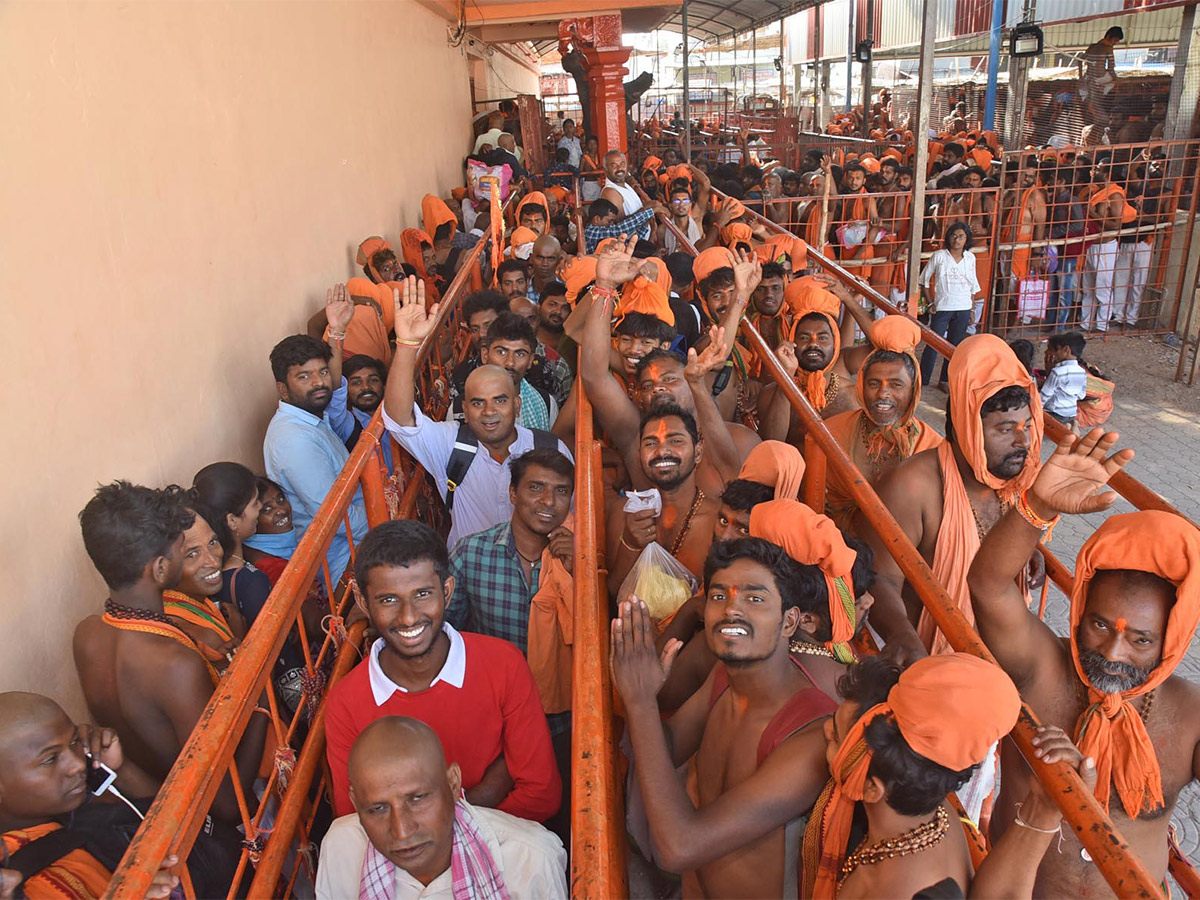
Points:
x=531 y=860
x=454 y=669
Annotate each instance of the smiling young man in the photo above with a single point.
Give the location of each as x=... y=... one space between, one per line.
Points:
x=350 y=410
x=414 y=837
x=479 y=497
x=1111 y=682
x=475 y=691
x=946 y=498
x=510 y=344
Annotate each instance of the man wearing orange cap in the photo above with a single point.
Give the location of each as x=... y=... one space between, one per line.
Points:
x=948 y=497
x=1134 y=608
x=533 y=212
x=899 y=743
x=885 y=431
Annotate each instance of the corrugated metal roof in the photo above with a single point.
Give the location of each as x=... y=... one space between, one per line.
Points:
x=715 y=19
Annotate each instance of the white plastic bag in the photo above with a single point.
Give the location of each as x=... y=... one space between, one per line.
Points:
x=660 y=581
x=636 y=501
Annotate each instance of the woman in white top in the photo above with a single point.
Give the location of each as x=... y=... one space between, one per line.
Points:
x=950 y=288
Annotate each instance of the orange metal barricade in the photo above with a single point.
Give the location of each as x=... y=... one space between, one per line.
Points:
x=291 y=796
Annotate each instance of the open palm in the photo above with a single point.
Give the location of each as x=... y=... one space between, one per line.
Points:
x=413 y=321
x=713 y=357
x=615 y=265
x=1073 y=479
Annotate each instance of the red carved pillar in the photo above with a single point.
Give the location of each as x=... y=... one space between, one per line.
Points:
x=598 y=38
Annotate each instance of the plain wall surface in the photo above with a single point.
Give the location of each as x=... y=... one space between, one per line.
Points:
x=180 y=183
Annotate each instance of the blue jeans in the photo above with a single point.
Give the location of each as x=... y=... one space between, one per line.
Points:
x=952 y=325
x=1062 y=298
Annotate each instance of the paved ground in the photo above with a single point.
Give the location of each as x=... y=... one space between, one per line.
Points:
x=1159 y=420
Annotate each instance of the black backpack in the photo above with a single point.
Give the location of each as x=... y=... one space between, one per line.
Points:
x=466 y=446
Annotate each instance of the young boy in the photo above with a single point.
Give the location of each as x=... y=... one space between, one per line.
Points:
x=1066 y=379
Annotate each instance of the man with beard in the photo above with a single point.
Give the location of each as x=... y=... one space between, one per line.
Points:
x=856 y=210
x=1133 y=610
x=512 y=278
x=544 y=263
x=895 y=215
x=552 y=313
x=885 y=431
x=355 y=402
x=301 y=451
x=669 y=451
x=1026 y=222
x=478 y=497
x=475 y=691
x=947 y=498
x=767 y=303
x=751 y=735
x=725 y=282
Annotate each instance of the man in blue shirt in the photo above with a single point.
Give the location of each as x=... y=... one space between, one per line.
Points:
x=355 y=401
x=302 y=453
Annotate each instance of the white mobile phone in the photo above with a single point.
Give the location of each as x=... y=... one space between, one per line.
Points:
x=99 y=776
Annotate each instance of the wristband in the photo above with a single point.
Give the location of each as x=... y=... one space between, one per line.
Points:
x=404 y=343
x=336 y=336
x=1017 y=820
x=604 y=293
x=1026 y=512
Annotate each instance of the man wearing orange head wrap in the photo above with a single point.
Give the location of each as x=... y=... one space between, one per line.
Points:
x=533 y=212
x=856 y=217
x=1134 y=609
x=885 y=431
x=417 y=248
x=948 y=497
x=899 y=743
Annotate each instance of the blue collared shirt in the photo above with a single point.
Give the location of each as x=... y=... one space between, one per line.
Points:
x=304 y=456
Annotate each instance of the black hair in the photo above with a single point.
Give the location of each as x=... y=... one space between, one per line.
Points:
x=221 y=489
x=510 y=327
x=546 y=457
x=718 y=278
x=568 y=122
x=671 y=410
x=790 y=578
x=265 y=485
x=296 y=350
x=891 y=356
x=904 y=170
x=482 y=301
x=854 y=167
x=402 y=542
x=600 y=207
x=743 y=495
x=652 y=357
x=1012 y=397
x=954 y=146
x=1023 y=350
x=361 y=361
x=644 y=325
x=125 y=526
x=679 y=264
x=974 y=170
x=679 y=186
x=1115 y=32
x=511 y=265
x=554 y=289
x=380 y=258
x=754 y=173
x=816 y=317
x=958 y=226
x=562 y=154
x=1072 y=340
x=891 y=162
x=644 y=249
x=772 y=270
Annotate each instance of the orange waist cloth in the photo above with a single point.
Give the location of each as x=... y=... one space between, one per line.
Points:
x=76 y=876
x=551 y=634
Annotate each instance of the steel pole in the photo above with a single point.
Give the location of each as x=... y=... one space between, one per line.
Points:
x=993 y=71
x=921 y=133
x=687 y=116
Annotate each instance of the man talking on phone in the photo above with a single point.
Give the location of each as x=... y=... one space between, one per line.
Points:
x=65 y=816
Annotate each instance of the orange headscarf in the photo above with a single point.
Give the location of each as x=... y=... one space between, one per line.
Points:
x=652 y=162
x=870 y=163
x=779 y=245
x=649 y=297
x=536 y=198
x=411 y=240
x=949 y=709
x=1110 y=729
x=732 y=203
x=369 y=248
x=981 y=157
x=812 y=539
x=561 y=194
x=776 y=465
x=806 y=296
x=898 y=334
x=712 y=259
x=983 y=365
x=435 y=213
x=738 y=232
x=380 y=293
x=577 y=274
x=521 y=236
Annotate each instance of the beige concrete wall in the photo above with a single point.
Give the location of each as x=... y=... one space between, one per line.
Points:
x=180 y=182
x=499 y=76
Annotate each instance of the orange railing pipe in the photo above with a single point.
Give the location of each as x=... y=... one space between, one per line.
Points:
x=598 y=849
x=1111 y=852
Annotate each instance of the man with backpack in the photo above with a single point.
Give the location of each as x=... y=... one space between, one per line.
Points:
x=468 y=460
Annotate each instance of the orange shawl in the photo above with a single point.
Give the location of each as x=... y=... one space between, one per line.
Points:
x=775 y=464
x=983 y=365
x=411 y=240
x=949 y=709
x=380 y=293
x=812 y=539
x=435 y=213
x=897 y=334
x=369 y=248
x=578 y=273
x=738 y=232
x=551 y=634
x=202 y=613
x=1110 y=729
x=780 y=246
x=710 y=260
x=806 y=296
x=76 y=876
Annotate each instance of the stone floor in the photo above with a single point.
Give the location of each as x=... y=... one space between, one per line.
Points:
x=1167 y=441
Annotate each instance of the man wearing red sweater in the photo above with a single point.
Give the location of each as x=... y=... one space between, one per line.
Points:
x=475 y=691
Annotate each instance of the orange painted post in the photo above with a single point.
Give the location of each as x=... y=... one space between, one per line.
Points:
x=1111 y=852
x=597 y=828
x=814 y=475
x=598 y=38
x=372 y=482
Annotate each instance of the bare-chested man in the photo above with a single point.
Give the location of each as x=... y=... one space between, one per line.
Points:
x=142 y=676
x=670 y=451
x=1110 y=682
x=946 y=498
x=752 y=732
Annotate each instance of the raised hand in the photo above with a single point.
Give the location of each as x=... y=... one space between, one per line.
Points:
x=1052 y=745
x=615 y=265
x=747 y=273
x=638 y=670
x=339 y=308
x=641 y=528
x=714 y=355
x=835 y=287
x=413 y=322
x=1073 y=479
x=786 y=354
